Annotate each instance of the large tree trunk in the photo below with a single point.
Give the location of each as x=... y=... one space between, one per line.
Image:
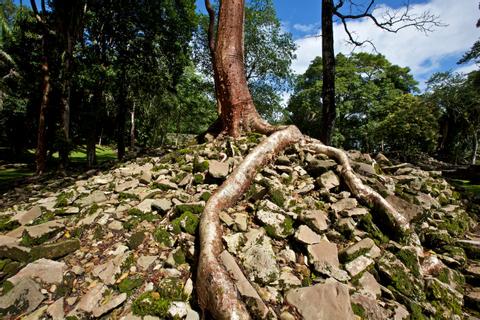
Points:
x=328 y=88
x=238 y=112
x=41 y=152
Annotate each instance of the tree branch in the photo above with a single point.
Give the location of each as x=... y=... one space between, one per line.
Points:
x=211 y=27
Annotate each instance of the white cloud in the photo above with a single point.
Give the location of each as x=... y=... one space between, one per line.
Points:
x=467 y=68
x=305 y=28
x=423 y=53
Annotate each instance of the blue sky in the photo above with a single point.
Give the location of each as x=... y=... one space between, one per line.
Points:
x=423 y=53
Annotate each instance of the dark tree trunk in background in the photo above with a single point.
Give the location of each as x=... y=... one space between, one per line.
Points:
x=328 y=89
x=238 y=112
x=65 y=105
x=121 y=118
x=132 y=128
x=41 y=151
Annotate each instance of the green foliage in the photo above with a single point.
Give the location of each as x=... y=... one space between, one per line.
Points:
x=162 y=236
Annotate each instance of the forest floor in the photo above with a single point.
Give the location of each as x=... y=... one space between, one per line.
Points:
x=122 y=242
x=13 y=174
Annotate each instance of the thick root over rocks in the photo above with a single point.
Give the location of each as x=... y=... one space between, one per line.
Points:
x=216 y=290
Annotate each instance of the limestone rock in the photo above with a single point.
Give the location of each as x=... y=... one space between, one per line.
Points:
x=244 y=287
x=10 y=249
x=258 y=257
x=27 y=217
x=46 y=271
x=328 y=180
x=344 y=204
x=358 y=265
x=316 y=219
x=23 y=298
x=306 y=235
x=96 y=196
x=110 y=269
x=330 y=300
x=217 y=169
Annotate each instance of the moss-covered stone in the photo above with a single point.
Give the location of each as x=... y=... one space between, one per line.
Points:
x=187 y=222
x=55 y=250
x=205 y=196
x=359 y=311
x=366 y=223
x=6 y=224
x=162 y=236
x=399 y=278
x=128 y=285
x=198 y=178
x=456 y=225
x=277 y=197
x=199 y=166
x=195 y=208
x=150 y=303
x=281 y=231
x=443 y=298
x=436 y=238
x=409 y=258
x=136 y=240
x=179 y=256
x=63 y=199
x=122 y=196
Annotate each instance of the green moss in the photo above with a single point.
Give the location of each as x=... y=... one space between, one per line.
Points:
x=284 y=230
x=187 y=222
x=277 y=197
x=160 y=167
x=198 y=178
x=127 y=196
x=287 y=226
x=436 y=238
x=63 y=199
x=128 y=285
x=205 y=196
x=254 y=137
x=359 y=310
x=194 y=208
x=416 y=312
x=128 y=263
x=457 y=225
x=172 y=289
x=93 y=208
x=141 y=216
x=7 y=286
x=409 y=259
x=136 y=240
x=47 y=216
x=162 y=236
x=150 y=303
x=6 y=224
x=179 y=256
x=443 y=298
x=366 y=223
x=98 y=232
x=199 y=166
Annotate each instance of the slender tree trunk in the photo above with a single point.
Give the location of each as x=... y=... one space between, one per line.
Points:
x=328 y=60
x=41 y=152
x=65 y=105
x=238 y=112
x=475 y=147
x=121 y=112
x=92 y=132
x=132 y=128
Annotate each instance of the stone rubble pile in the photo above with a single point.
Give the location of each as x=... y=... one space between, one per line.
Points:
x=299 y=245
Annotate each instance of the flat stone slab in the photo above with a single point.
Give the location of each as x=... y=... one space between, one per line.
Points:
x=29 y=216
x=23 y=298
x=326 y=301
x=306 y=235
x=243 y=286
x=46 y=271
x=10 y=249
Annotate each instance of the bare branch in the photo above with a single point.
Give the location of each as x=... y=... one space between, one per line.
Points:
x=353 y=41
x=393 y=20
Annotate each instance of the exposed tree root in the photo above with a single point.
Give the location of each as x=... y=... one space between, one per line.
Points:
x=216 y=291
x=215 y=288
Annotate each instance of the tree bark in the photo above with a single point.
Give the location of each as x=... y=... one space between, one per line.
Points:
x=41 y=151
x=475 y=147
x=65 y=104
x=121 y=112
x=328 y=59
x=238 y=112
x=132 y=128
